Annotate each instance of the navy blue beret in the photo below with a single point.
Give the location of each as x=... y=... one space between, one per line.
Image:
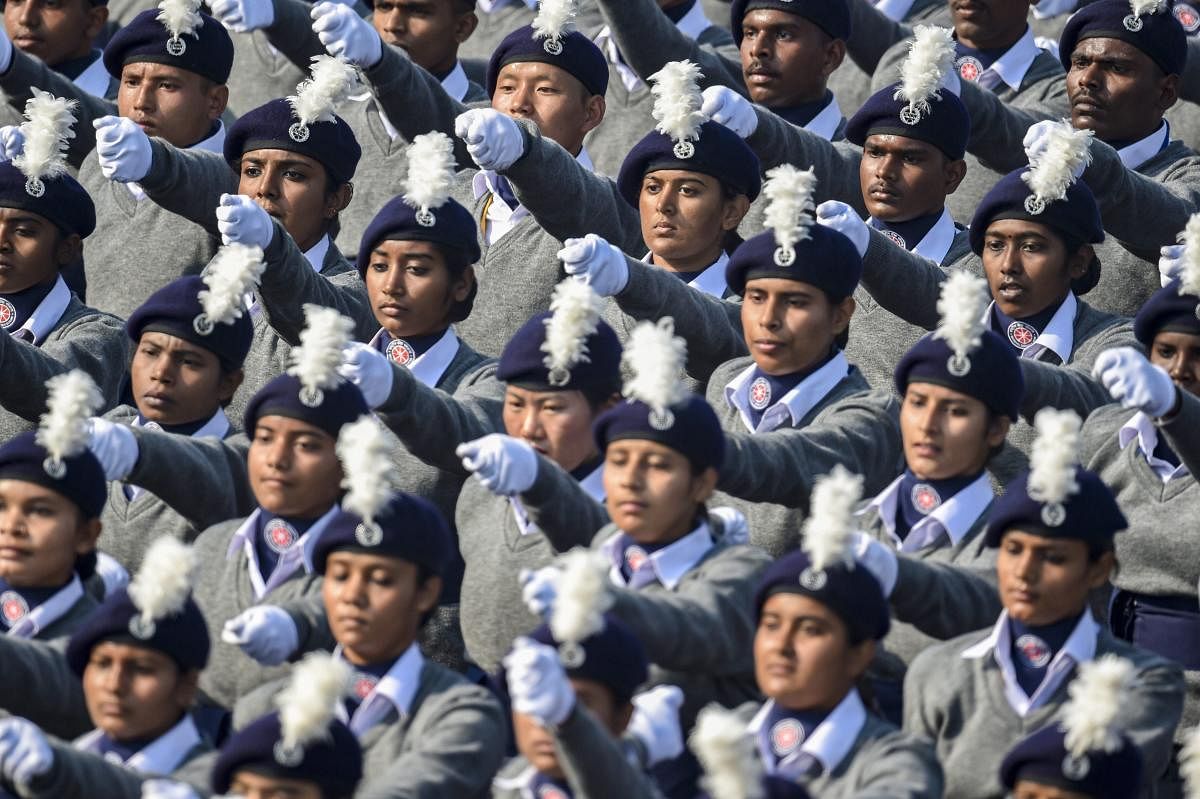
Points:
x=1042 y=758
x=853 y=594
x=826 y=259
x=334 y=763
x=523 y=361
x=173 y=310
x=946 y=126
x=268 y=128
x=409 y=528
x=208 y=52
x=613 y=657
x=719 y=153
x=453 y=227
x=575 y=53
x=695 y=431
x=22 y=458
x=339 y=405
x=182 y=636
x=994 y=377
x=831 y=16
x=1167 y=309
x=1159 y=36
x=1091 y=514
x=63 y=200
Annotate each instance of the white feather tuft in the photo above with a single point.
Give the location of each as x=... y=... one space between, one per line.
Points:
x=962 y=305
x=930 y=56
x=1143 y=7
x=164 y=581
x=180 y=16
x=309 y=702
x=63 y=428
x=576 y=314
x=48 y=126
x=1090 y=716
x=1052 y=172
x=583 y=597
x=332 y=82
x=656 y=357
x=1054 y=456
x=326 y=333
x=732 y=767
x=1189 y=764
x=830 y=521
x=789 y=193
x=552 y=19
x=677 y=99
x=370 y=473
x=1189 y=278
x=233 y=273
x=430 y=171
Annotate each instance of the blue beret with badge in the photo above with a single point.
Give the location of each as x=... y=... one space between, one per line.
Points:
x=81 y=480
x=1171 y=309
x=174 y=310
x=613 y=657
x=176 y=34
x=406 y=527
x=271 y=126
x=831 y=16
x=62 y=201
x=1157 y=32
x=548 y=41
x=947 y=125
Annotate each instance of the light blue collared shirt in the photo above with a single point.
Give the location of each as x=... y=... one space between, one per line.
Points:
x=792 y=406
x=161 y=756
x=298 y=555
x=953 y=518
x=49 y=611
x=395 y=690
x=833 y=738
x=1140 y=428
x=670 y=563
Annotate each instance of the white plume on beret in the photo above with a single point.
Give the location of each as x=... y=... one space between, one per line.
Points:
x=63 y=428
x=1189 y=278
x=961 y=306
x=732 y=767
x=1091 y=716
x=1142 y=7
x=1189 y=764
x=332 y=81
x=180 y=16
x=430 y=171
x=830 y=521
x=326 y=333
x=789 y=193
x=930 y=57
x=1054 y=455
x=234 y=272
x=552 y=18
x=164 y=581
x=576 y=313
x=1053 y=171
x=309 y=702
x=677 y=99
x=583 y=597
x=657 y=358
x=48 y=126
x=370 y=474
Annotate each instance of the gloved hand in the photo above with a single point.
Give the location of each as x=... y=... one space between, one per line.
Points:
x=264 y=632
x=726 y=107
x=369 y=370
x=842 y=218
x=1037 y=139
x=24 y=751
x=737 y=530
x=122 y=148
x=539 y=589
x=879 y=559
x=12 y=142
x=167 y=789
x=114 y=445
x=1170 y=263
x=1135 y=382
x=655 y=722
x=112 y=573
x=537 y=682
x=243 y=221
x=345 y=34
x=594 y=261
x=503 y=464
x=243 y=16
x=493 y=139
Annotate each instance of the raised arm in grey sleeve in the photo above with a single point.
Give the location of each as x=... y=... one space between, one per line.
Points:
x=594 y=761
x=776 y=141
x=562 y=510
x=188 y=182
x=1072 y=387
x=75 y=774
x=942 y=600
x=203 y=479
x=39 y=685
x=291 y=32
x=871 y=35
x=906 y=284
x=998 y=129
x=1183 y=431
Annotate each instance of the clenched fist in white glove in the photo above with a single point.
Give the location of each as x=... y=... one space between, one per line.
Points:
x=243 y=221
x=1170 y=263
x=655 y=722
x=1135 y=382
x=726 y=107
x=344 y=34
x=114 y=445
x=24 y=751
x=264 y=632
x=539 y=589
x=538 y=683
x=503 y=464
x=167 y=789
x=879 y=559
x=594 y=261
x=122 y=148
x=1037 y=139
x=12 y=142
x=369 y=370
x=493 y=139
x=842 y=218
x=243 y=16
x=111 y=573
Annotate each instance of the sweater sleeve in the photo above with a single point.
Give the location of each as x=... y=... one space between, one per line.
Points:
x=76 y=774
x=941 y=600
x=594 y=761
x=40 y=686
x=1183 y=431
x=562 y=510
x=188 y=183
x=1151 y=716
x=776 y=141
x=998 y=129
x=1071 y=386
x=904 y=283
x=291 y=32
x=203 y=479
x=872 y=34
x=897 y=766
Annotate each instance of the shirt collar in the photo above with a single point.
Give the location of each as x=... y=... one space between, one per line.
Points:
x=796 y=403
x=671 y=562
x=711 y=281
x=593 y=484
x=938 y=240
x=1012 y=66
x=49 y=311
x=456 y=83
x=895 y=10
x=430 y=365
x=315 y=255
x=397 y=689
x=834 y=737
x=955 y=516
x=1059 y=335
x=95 y=79
x=162 y=756
x=243 y=538
x=826 y=123
x=1138 y=153
x=49 y=611
x=214 y=143
x=216 y=427
x=1141 y=428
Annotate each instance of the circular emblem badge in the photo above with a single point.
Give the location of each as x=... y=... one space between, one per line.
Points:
x=176 y=46
x=401 y=352
x=760 y=393
x=925 y=498
x=1034 y=651
x=786 y=735
x=969 y=68
x=1021 y=335
x=13 y=607
x=280 y=535
x=895 y=238
x=364 y=684
x=1188 y=17
x=8 y=313
x=635 y=558
x=551 y=792
x=1076 y=768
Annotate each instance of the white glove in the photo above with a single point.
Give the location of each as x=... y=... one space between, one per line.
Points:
x=655 y=722
x=264 y=632
x=243 y=221
x=113 y=574
x=1170 y=263
x=1037 y=139
x=842 y=218
x=345 y=34
x=12 y=142
x=733 y=521
x=114 y=445
x=1135 y=382
x=494 y=140
x=167 y=789
x=726 y=107
x=6 y=50
x=539 y=589
x=122 y=148
x=24 y=751
x=243 y=16
x=369 y=370
x=537 y=682
x=594 y=261
x=879 y=559
x=505 y=465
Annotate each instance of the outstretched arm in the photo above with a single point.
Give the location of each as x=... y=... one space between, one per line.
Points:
x=776 y=141
x=188 y=182
x=203 y=479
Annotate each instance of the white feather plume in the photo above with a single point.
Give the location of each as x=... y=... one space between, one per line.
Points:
x=180 y=16
x=961 y=307
x=234 y=272
x=332 y=81
x=1054 y=455
x=576 y=313
x=63 y=428
x=309 y=702
x=164 y=581
x=48 y=126
x=1189 y=764
x=830 y=521
x=430 y=171
x=1091 y=715
x=789 y=193
x=1143 y=7
x=583 y=597
x=370 y=473
x=930 y=57
x=326 y=333
x=732 y=767
x=1052 y=172
x=552 y=18
x=677 y=99
x=1189 y=278
x=656 y=359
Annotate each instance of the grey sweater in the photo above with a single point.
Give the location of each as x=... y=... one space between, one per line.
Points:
x=39 y=685
x=507 y=17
